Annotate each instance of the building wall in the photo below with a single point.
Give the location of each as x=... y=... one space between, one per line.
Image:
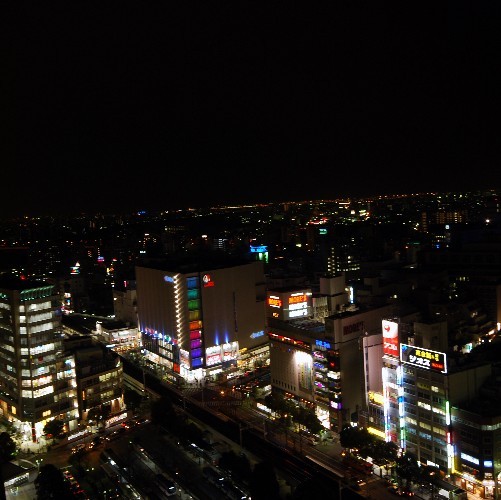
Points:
x=464 y=385
x=155 y=299
x=125 y=306
x=373 y=354
x=231 y=309
x=348 y=331
x=432 y=336
x=292 y=370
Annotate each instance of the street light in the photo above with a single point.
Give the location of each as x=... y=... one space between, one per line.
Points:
x=432 y=481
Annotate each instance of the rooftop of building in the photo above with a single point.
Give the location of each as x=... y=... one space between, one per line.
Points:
x=10 y=282
x=10 y=471
x=113 y=324
x=306 y=328
x=311 y=325
x=195 y=261
x=288 y=289
x=488 y=402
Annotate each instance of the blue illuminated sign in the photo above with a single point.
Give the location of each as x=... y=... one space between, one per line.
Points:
x=259 y=249
x=255 y=335
x=323 y=343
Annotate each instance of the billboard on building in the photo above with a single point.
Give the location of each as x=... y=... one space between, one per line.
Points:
x=423 y=358
x=289 y=305
x=390 y=338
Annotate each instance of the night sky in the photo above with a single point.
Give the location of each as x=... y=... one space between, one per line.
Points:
x=120 y=106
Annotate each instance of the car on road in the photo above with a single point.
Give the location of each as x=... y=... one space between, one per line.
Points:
x=78 y=447
x=401 y=492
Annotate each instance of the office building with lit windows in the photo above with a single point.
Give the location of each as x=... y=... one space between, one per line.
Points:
x=199 y=317
x=37 y=379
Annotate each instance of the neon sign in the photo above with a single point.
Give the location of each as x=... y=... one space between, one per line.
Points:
x=298 y=299
x=255 y=335
x=274 y=301
x=423 y=358
x=390 y=338
x=258 y=249
x=207 y=280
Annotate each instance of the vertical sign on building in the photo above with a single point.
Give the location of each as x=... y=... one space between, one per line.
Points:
x=390 y=338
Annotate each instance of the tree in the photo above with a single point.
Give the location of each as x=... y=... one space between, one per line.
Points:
x=7 y=453
x=310 y=420
x=356 y=438
x=51 y=483
x=430 y=474
x=383 y=451
x=132 y=399
x=99 y=413
x=407 y=468
x=263 y=483
x=53 y=427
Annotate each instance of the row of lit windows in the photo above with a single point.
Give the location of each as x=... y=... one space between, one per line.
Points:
x=38 y=393
x=37 y=306
x=34 y=351
x=37 y=328
x=36 y=318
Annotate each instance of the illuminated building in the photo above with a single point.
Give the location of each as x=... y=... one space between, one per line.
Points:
x=420 y=386
x=477 y=441
x=291 y=364
x=117 y=335
x=37 y=379
x=99 y=377
x=199 y=317
x=321 y=362
x=347 y=331
x=288 y=303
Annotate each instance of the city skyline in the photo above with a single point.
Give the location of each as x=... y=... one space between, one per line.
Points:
x=236 y=104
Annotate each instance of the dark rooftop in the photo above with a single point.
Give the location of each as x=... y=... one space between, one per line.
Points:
x=195 y=262
x=9 y=282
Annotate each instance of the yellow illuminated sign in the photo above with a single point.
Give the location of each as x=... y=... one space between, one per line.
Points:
x=297 y=299
x=274 y=302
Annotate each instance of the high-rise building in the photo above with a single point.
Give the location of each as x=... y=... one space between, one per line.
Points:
x=37 y=379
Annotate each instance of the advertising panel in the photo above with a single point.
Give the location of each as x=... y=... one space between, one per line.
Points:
x=390 y=338
x=304 y=371
x=423 y=358
x=289 y=305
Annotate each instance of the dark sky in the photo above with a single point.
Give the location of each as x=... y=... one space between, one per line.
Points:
x=126 y=105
